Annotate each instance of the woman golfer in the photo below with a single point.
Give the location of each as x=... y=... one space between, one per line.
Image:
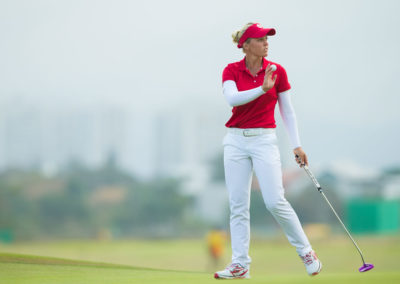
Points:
x=252 y=87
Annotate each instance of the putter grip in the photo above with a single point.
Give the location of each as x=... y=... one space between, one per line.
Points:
x=312 y=177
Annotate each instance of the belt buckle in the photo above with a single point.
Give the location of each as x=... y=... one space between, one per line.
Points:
x=246 y=133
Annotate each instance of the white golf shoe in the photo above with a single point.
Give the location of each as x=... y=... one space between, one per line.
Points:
x=233 y=271
x=312 y=263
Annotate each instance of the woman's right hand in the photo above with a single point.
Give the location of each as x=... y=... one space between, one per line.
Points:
x=269 y=82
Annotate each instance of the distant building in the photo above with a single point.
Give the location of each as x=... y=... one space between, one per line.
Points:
x=31 y=136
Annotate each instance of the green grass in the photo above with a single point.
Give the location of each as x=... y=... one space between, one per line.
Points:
x=183 y=261
x=34 y=270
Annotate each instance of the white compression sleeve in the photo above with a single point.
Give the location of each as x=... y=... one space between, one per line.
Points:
x=236 y=98
x=289 y=118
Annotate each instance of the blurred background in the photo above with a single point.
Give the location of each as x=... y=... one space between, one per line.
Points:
x=112 y=116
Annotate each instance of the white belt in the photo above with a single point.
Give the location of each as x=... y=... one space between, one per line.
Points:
x=251 y=131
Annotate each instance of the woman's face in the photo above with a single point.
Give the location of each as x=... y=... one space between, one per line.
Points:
x=256 y=46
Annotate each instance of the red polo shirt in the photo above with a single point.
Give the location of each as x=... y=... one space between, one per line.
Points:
x=258 y=113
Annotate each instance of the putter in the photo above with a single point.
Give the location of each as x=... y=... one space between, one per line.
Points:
x=366 y=266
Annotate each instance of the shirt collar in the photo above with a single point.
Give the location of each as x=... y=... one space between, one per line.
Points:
x=265 y=63
x=242 y=64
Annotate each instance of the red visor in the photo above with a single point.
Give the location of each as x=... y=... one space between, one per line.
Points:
x=255 y=31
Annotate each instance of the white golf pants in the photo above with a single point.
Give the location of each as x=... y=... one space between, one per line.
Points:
x=241 y=155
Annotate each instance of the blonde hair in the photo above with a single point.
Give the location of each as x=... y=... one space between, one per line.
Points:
x=238 y=34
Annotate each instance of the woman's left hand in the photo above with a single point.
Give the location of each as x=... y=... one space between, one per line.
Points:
x=300 y=157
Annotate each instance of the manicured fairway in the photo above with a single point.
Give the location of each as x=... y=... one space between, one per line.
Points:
x=184 y=261
x=38 y=270
x=33 y=270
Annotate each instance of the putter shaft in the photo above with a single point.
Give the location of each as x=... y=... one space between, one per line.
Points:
x=318 y=186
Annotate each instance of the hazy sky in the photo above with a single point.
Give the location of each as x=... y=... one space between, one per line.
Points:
x=341 y=57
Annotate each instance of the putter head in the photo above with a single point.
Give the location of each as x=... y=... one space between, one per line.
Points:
x=366 y=267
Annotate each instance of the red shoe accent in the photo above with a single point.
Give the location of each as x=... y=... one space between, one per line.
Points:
x=216 y=276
